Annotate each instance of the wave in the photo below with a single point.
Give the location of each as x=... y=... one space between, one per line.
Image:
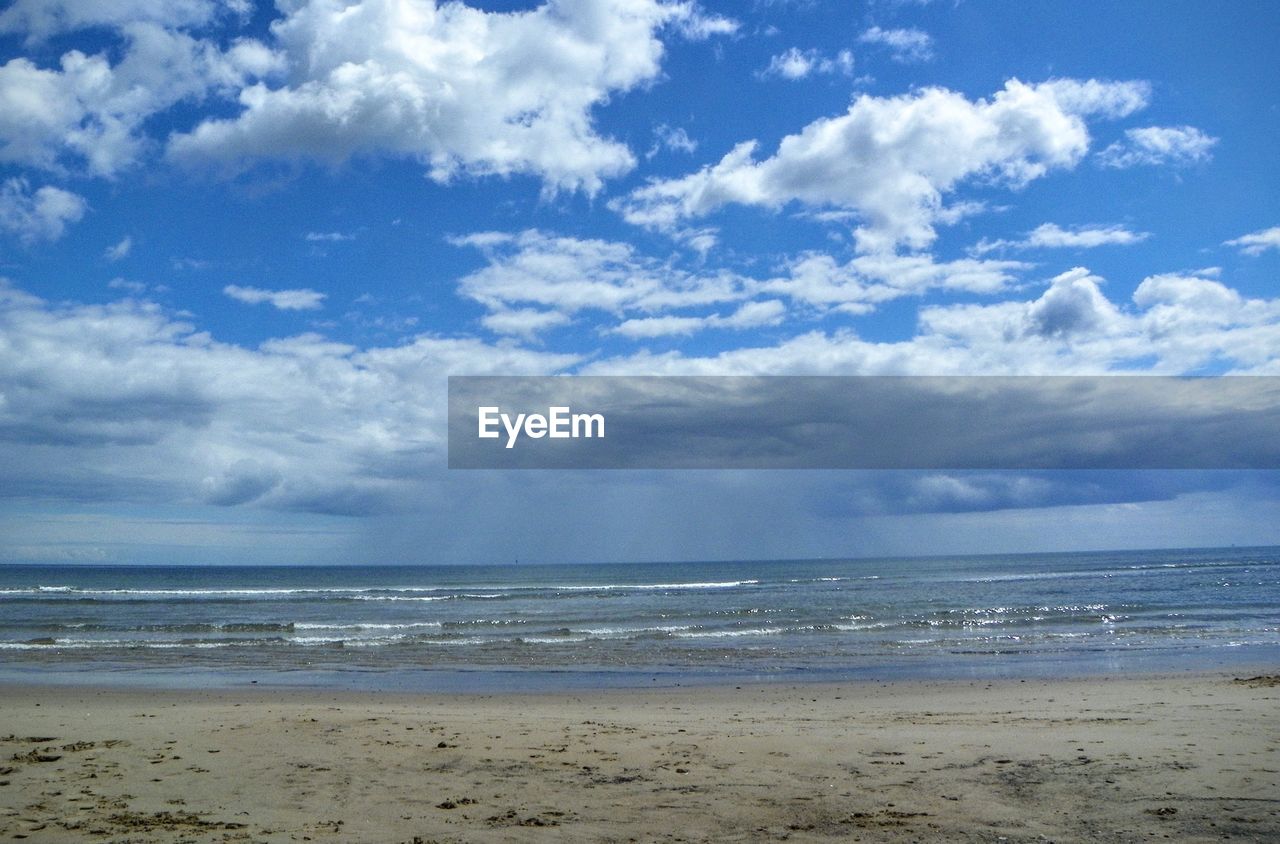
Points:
x=356 y=593
x=729 y=634
x=1136 y=569
x=613 y=632
x=609 y=587
x=412 y=625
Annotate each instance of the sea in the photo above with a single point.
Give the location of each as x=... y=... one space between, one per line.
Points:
x=562 y=627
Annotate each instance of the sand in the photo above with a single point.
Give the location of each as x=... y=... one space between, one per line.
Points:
x=1187 y=758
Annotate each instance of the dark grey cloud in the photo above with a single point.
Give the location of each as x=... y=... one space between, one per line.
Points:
x=880 y=422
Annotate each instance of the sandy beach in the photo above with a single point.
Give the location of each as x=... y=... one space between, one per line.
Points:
x=1188 y=758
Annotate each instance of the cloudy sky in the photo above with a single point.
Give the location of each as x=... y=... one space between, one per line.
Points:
x=243 y=244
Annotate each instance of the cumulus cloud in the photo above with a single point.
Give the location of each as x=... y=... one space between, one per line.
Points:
x=797 y=64
x=1177 y=146
x=466 y=92
x=285 y=300
x=298 y=423
x=38 y=215
x=88 y=113
x=906 y=45
x=1174 y=324
x=893 y=159
x=1257 y=242
x=306 y=423
x=1053 y=236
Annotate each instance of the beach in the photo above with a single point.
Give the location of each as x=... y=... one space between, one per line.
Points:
x=1187 y=757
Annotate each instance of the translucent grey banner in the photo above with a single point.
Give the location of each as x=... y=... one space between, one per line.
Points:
x=864 y=422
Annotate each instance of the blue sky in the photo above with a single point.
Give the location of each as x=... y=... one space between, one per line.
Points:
x=243 y=245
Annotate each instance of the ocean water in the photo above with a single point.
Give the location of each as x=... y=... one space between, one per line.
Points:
x=562 y=626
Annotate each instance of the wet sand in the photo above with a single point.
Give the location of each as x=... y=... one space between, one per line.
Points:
x=1184 y=758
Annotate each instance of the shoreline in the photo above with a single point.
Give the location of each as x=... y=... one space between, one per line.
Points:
x=1191 y=756
x=516 y=680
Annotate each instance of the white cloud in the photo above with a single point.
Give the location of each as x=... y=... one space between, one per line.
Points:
x=750 y=315
x=754 y=315
x=1177 y=146
x=523 y=322
x=696 y=25
x=306 y=423
x=892 y=159
x=1053 y=236
x=89 y=113
x=570 y=275
x=672 y=139
x=328 y=237
x=37 y=20
x=661 y=326
x=40 y=215
x=135 y=287
x=859 y=285
x=298 y=423
x=284 y=300
x=797 y=64
x=1257 y=242
x=120 y=250
x=907 y=45
x=462 y=90
x=535 y=281
x=1176 y=324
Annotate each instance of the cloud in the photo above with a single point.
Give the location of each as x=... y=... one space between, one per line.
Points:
x=891 y=422
x=89 y=114
x=797 y=64
x=696 y=25
x=284 y=300
x=38 y=20
x=305 y=423
x=1053 y=236
x=298 y=423
x=40 y=215
x=1257 y=242
x=893 y=159
x=569 y=275
x=135 y=287
x=750 y=315
x=907 y=46
x=535 y=281
x=464 y=91
x=671 y=139
x=523 y=322
x=1176 y=146
x=860 y=284
x=1174 y=324
x=327 y=237
x=120 y=250
x=1073 y=305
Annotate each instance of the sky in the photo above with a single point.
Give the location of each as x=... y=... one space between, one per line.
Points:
x=242 y=246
